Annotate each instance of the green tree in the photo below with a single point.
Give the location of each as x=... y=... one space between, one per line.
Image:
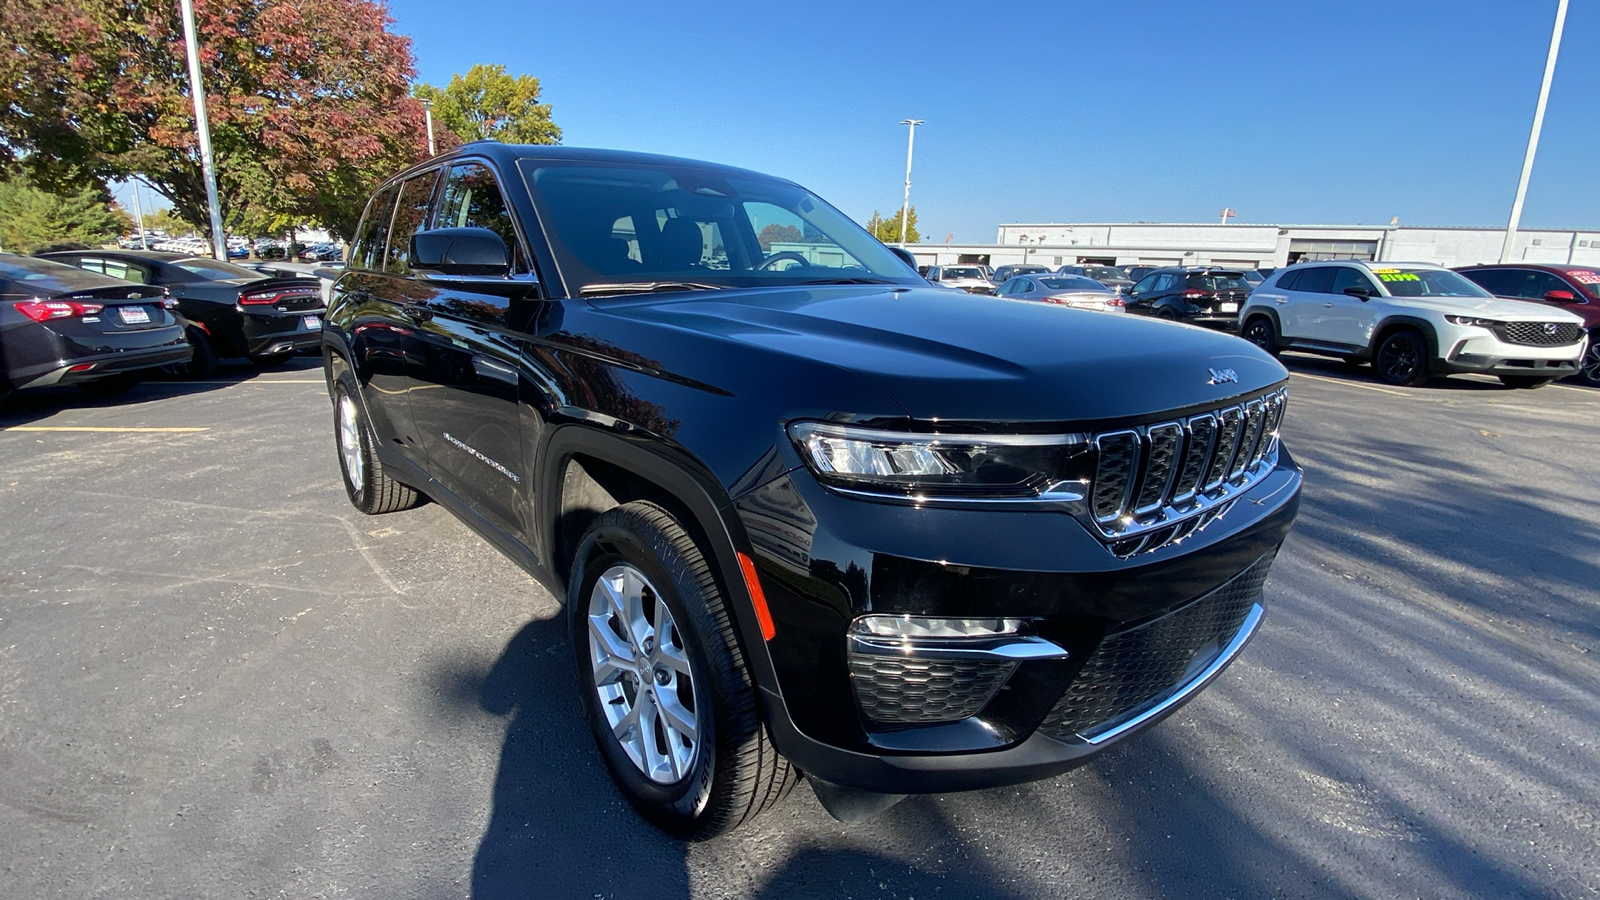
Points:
x=489 y=104
x=888 y=229
x=307 y=102
x=31 y=218
x=778 y=234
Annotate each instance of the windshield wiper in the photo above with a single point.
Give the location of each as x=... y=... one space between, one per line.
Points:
x=851 y=280
x=647 y=287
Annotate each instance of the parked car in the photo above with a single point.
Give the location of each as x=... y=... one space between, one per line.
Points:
x=1075 y=291
x=967 y=278
x=1575 y=289
x=1137 y=273
x=1253 y=277
x=1199 y=295
x=61 y=325
x=1110 y=276
x=235 y=311
x=1006 y=273
x=1412 y=321
x=823 y=517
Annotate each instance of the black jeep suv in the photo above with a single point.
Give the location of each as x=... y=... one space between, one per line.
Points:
x=808 y=513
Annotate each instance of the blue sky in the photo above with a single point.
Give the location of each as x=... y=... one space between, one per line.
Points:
x=1289 y=112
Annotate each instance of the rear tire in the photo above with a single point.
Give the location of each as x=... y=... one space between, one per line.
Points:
x=1259 y=331
x=369 y=489
x=1402 y=359
x=1524 y=382
x=650 y=630
x=204 y=362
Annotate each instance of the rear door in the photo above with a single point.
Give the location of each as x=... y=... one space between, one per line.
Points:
x=1303 y=312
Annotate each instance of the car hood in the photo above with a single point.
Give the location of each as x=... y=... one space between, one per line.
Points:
x=1489 y=308
x=948 y=356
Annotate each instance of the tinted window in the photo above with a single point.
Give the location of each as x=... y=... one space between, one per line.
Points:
x=1316 y=280
x=472 y=199
x=1289 y=280
x=1349 y=278
x=410 y=216
x=1427 y=283
x=1148 y=284
x=43 y=278
x=1010 y=287
x=1534 y=284
x=1219 y=281
x=1495 y=281
x=374 y=231
x=1165 y=282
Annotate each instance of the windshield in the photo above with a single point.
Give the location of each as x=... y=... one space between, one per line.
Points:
x=618 y=228
x=215 y=270
x=1104 y=273
x=1220 y=281
x=1427 y=283
x=1252 y=277
x=1028 y=270
x=1588 y=279
x=1074 y=283
x=953 y=272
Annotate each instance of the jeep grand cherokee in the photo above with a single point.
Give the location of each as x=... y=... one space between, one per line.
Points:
x=808 y=513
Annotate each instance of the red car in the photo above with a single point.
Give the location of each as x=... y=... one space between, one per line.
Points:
x=1573 y=288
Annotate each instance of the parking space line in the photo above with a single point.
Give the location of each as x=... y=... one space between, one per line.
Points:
x=102 y=429
x=1355 y=384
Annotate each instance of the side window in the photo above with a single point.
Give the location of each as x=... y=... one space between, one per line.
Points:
x=1317 y=280
x=1010 y=287
x=1536 y=284
x=410 y=217
x=472 y=199
x=1147 y=284
x=366 y=251
x=933 y=273
x=1347 y=277
x=1289 y=280
x=1495 y=281
x=1164 y=283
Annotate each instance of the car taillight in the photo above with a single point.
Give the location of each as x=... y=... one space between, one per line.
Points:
x=44 y=310
x=1115 y=301
x=1192 y=294
x=264 y=298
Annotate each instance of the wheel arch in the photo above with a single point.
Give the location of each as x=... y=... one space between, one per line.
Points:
x=1270 y=314
x=1395 y=323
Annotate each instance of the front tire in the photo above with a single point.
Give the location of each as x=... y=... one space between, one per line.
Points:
x=369 y=489
x=663 y=680
x=1402 y=359
x=1524 y=382
x=1259 y=331
x=1589 y=363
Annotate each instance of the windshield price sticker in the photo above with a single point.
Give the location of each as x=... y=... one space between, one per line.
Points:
x=1385 y=271
x=1399 y=276
x=1586 y=277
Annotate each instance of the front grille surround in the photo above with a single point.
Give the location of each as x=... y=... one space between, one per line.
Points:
x=1536 y=334
x=1148 y=480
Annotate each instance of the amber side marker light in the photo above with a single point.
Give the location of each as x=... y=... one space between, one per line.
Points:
x=757 y=597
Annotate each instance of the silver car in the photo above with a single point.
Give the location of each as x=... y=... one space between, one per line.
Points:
x=1075 y=291
x=967 y=278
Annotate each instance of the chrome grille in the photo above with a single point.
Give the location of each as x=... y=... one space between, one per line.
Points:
x=1117 y=464
x=1161 y=483
x=1138 y=668
x=1539 y=334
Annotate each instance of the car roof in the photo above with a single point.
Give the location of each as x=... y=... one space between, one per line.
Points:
x=146 y=255
x=1561 y=268
x=506 y=156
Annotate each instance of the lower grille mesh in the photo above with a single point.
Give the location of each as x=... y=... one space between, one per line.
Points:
x=907 y=690
x=1132 y=668
x=1539 y=334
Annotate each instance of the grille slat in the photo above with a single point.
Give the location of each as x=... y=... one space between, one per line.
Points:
x=1114 y=470
x=1539 y=334
x=1255 y=418
x=1202 y=432
x=1165 y=441
x=1227 y=443
x=1135 y=669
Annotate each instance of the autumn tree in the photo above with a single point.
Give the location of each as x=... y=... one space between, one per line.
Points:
x=307 y=102
x=31 y=218
x=888 y=229
x=778 y=234
x=489 y=104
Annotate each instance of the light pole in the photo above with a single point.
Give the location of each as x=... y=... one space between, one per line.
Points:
x=138 y=211
x=427 y=113
x=1533 y=136
x=202 y=129
x=905 y=205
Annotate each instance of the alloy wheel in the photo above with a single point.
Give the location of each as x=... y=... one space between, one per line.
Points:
x=1398 y=360
x=1589 y=366
x=641 y=674
x=350 y=443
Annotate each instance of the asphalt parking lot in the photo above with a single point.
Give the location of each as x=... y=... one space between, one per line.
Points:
x=219 y=680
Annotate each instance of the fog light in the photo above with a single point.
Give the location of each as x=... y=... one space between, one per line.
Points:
x=920 y=627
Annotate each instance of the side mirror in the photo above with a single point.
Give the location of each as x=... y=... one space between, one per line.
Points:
x=1560 y=297
x=460 y=251
x=905 y=256
x=1363 y=293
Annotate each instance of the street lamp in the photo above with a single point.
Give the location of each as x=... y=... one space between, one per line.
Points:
x=905 y=205
x=1533 y=136
x=427 y=113
x=202 y=129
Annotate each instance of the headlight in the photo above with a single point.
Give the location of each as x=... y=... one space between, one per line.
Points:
x=965 y=466
x=1470 y=320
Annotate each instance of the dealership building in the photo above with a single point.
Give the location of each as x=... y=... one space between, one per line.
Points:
x=1259 y=246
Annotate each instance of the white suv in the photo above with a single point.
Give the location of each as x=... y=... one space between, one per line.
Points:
x=1411 y=321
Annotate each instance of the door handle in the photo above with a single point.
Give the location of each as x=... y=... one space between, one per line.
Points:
x=1327 y=306
x=1280 y=300
x=416 y=312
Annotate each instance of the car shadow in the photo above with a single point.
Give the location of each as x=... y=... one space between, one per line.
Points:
x=1338 y=370
x=29 y=406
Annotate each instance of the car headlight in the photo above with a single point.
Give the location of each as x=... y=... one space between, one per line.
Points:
x=963 y=466
x=1471 y=320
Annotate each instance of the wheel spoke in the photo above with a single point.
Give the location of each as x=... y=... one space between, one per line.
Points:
x=628 y=723
x=610 y=655
x=675 y=715
x=633 y=603
x=673 y=658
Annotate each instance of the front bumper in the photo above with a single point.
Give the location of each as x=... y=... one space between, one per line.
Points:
x=1482 y=353
x=826 y=559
